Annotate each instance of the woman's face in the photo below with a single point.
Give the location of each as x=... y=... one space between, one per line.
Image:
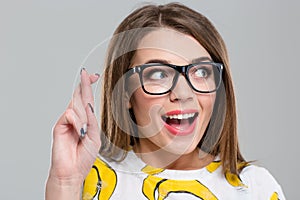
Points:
x=176 y=121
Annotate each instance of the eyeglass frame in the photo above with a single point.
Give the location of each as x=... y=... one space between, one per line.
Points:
x=183 y=70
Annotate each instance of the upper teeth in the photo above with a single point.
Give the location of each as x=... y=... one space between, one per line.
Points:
x=181 y=116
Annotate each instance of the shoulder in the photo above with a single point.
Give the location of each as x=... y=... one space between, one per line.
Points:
x=257 y=175
x=260 y=181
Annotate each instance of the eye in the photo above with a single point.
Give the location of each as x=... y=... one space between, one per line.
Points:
x=201 y=73
x=157 y=75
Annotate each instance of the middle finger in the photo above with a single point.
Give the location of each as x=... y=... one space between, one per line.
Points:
x=86 y=89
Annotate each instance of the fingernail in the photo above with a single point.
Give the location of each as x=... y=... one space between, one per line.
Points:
x=83 y=130
x=91 y=107
x=82 y=133
x=97 y=74
x=81 y=70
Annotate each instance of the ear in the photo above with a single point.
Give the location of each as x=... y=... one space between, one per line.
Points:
x=129 y=106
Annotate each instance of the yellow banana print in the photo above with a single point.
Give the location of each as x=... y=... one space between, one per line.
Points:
x=164 y=187
x=274 y=196
x=232 y=179
x=101 y=179
x=151 y=170
x=213 y=166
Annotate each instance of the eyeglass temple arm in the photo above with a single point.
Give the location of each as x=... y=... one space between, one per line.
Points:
x=132 y=71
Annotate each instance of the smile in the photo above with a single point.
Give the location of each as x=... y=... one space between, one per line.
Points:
x=180 y=122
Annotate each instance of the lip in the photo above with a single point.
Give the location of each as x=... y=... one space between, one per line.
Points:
x=177 y=112
x=177 y=132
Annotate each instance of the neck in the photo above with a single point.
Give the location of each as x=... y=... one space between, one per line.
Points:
x=160 y=158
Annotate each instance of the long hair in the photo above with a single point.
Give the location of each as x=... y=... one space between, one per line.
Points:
x=220 y=137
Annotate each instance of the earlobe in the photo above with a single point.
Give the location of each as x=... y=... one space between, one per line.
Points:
x=129 y=106
x=128 y=103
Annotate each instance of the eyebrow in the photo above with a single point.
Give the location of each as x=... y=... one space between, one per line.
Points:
x=201 y=59
x=195 y=60
x=162 y=61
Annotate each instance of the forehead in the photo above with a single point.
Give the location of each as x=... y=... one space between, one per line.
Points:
x=170 y=44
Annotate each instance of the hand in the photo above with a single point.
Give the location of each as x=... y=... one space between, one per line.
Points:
x=76 y=139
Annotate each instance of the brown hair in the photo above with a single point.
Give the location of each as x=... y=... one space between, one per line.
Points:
x=221 y=136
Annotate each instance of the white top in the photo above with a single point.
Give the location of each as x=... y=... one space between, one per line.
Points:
x=132 y=179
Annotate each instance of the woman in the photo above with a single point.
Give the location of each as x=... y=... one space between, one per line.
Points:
x=168 y=124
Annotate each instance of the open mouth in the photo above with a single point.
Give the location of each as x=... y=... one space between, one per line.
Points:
x=180 y=124
x=180 y=118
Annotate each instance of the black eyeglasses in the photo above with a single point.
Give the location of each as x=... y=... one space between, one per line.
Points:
x=158 y=78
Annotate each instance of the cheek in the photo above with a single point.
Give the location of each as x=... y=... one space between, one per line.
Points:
x=147 y=109
x=206 y=103
x=141 y=106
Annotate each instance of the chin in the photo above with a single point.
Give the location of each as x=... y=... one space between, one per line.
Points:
x=177 y=148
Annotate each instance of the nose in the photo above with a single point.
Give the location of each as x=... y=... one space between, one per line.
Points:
x=182 y=90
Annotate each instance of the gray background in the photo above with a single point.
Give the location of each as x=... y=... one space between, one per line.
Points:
x=43 y=43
